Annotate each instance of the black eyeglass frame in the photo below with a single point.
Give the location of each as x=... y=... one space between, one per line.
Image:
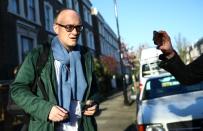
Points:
x=70 y=28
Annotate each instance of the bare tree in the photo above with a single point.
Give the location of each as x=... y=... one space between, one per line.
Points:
x=181 y=44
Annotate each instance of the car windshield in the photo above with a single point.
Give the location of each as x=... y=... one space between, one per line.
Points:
x=165 y=86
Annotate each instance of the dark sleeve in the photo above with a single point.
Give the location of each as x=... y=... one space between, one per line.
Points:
x=20 y=91
x=185 y=74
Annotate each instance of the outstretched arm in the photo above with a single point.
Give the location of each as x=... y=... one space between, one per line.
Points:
x=186 y=74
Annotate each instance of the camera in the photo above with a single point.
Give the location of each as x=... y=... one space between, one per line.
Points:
x=156 y=34
x=157 y=37
x=88 y=106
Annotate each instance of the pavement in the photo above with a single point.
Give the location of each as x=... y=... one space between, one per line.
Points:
x=115 y=116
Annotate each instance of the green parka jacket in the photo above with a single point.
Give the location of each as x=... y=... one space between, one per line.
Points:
x=35 y=105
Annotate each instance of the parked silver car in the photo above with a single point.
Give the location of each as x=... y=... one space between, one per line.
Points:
x=166 y=105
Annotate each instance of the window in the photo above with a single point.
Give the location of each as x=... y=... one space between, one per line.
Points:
x=27 y=9
x=90 y=18
x=80 y=40
x=87 y=37
x=85 y=13
x=27 y=45
x=102 y=46
x=91 y=40
x=13 y=6
x=48 y=10
x=76 y=5
x=100 y=28
x=31 y=10
x=145 y=70
x=69 y=4
x=26 y=39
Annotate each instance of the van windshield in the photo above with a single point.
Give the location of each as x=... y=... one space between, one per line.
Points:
x=151 y=69
x=165 y=86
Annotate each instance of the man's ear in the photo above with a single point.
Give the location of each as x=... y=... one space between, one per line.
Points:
x=55 y=27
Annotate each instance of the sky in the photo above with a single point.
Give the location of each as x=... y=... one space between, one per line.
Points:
x=139 y=18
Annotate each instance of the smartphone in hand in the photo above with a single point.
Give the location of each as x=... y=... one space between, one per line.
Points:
x=88 y=106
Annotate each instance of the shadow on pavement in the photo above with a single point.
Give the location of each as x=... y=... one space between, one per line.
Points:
x=114 y=94
x=100 y=111
x=131 y=127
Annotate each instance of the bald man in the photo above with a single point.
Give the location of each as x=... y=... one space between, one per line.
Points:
x=67 y=78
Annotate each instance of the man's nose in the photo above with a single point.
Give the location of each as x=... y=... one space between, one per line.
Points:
x=74 y=31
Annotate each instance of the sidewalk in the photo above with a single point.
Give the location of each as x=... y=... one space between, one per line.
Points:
x=114 y=116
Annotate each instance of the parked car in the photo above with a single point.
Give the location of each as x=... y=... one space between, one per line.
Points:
x=166 y=105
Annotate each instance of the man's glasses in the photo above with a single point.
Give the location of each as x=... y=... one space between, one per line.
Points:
x=70 y=28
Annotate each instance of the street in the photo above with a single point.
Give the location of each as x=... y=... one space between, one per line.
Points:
x=114 y=116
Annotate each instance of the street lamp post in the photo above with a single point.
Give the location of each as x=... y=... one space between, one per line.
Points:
x=120 y=48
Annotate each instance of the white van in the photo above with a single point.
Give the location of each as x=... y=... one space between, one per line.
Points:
x=149 y=61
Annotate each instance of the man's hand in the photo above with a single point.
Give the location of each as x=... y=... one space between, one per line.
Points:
x=163 y=42
x=58 y=114
x=90 y=111
x=91 y=108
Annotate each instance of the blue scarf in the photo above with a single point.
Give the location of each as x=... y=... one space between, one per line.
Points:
x=72 y=84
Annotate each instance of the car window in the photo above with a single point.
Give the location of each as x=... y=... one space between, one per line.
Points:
x=145 y=67
x=145 y=70
x=165 y=86
x=154 y=66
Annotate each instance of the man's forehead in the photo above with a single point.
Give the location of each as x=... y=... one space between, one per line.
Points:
x=68 y=15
